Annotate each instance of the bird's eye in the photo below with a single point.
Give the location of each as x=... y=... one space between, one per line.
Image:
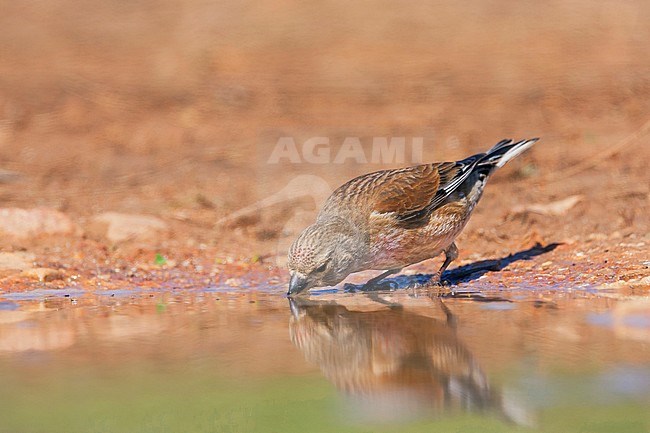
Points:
x=321 y=268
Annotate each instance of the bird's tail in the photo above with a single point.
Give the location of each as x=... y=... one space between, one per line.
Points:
x=504 y=151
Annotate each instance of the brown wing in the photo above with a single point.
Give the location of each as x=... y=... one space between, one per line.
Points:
x=413 y=194
x=409 y=194
x=412 y=189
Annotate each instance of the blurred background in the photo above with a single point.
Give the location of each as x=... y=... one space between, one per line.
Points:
x=170 y=108
x=141 y=222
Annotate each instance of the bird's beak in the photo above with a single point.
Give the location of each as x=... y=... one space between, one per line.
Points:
x=297 y=284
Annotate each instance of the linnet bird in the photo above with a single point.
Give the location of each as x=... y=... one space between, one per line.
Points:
x=390 y=219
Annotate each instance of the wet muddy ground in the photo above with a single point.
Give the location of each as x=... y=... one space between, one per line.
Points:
x=144 y=223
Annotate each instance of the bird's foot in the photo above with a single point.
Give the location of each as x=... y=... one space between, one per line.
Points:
x=420 y=285
x=379 y=286
x=384 y=285
x=433 y=283
x=420 y=281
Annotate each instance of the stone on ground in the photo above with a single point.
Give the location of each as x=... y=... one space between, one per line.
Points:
x=16 y=261
x=24 y=223
x=119 y=227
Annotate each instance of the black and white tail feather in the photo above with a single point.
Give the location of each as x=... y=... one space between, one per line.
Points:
x=482 y=164
x=471 y=177
x=504 y=151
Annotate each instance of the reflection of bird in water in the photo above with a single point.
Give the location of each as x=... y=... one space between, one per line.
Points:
x=394 y=362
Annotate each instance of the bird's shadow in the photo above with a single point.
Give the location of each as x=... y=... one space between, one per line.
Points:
x=453 y=277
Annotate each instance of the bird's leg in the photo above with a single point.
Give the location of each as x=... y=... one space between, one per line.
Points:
x=372 y=283
x=451 y=319
x=451 y=254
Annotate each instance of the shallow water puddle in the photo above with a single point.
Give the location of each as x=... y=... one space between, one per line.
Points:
x=218 y=360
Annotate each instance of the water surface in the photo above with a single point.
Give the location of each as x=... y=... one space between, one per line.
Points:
x=219 y=361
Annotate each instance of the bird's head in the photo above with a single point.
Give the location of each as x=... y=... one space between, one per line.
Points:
x=323 y=255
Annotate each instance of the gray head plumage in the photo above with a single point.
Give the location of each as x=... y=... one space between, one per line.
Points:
x=324 y=254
